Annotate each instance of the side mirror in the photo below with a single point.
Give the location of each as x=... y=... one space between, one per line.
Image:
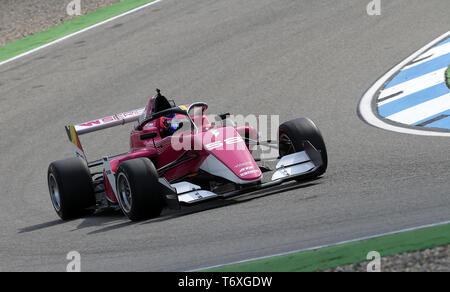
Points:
x=148 y=136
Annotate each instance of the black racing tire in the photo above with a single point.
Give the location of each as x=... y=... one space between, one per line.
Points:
x=138 y=189
x=71 y=189
x=299 y=130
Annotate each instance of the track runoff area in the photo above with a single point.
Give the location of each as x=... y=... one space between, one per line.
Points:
x=414 y=97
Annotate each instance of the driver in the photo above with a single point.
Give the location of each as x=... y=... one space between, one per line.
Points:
x=168 y=125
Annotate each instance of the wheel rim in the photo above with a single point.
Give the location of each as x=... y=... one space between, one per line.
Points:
x=54 y=192
x=124 y=191
x=286 y=145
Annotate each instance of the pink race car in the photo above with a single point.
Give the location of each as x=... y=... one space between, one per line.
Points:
x=179 y=157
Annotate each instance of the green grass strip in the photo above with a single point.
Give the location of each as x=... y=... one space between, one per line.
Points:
x=76 y=24
x=447 y=77
x=348 y=253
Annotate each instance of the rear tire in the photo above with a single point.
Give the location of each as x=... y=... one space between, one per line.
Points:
x=71 y=189
x=138 y=189
x=297 y=131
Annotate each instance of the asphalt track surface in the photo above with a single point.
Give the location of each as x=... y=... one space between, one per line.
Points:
x=292 y=58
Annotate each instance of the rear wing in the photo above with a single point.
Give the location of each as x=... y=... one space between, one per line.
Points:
x=74 y=131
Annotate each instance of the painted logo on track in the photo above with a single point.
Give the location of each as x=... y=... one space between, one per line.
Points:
x=414 y=96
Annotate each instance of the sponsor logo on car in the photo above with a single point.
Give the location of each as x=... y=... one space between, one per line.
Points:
x=105 y=120
x=250 y=172
x=246 y=168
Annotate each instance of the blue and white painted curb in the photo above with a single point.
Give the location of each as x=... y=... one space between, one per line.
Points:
x=413 y=97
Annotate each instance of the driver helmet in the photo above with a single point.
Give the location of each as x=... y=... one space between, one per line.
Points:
x=168 y=125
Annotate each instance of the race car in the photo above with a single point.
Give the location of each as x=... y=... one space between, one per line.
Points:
x=178 y=156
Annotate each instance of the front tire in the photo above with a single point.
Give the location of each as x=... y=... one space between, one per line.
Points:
x=71 y=189
x=138 y=189
x=293 y=133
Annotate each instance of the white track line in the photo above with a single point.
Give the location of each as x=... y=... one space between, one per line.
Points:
x=365 y=105
x=324 y=246
x=433 y=53
x=79 y=32
x=422 y=111
x=413 y=86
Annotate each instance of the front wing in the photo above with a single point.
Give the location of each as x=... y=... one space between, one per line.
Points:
x=297 y=166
